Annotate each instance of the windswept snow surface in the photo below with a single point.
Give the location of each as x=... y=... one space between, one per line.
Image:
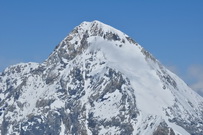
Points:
x=97 y=81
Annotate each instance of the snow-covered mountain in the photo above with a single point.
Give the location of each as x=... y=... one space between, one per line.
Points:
x=97 y=81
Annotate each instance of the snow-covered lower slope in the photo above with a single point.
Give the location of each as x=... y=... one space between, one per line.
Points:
x=97 y=81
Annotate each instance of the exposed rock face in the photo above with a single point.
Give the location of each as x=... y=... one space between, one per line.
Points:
x=163 y=129
x=97 y=81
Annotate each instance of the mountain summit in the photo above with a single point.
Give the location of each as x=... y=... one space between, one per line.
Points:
x=97 y=81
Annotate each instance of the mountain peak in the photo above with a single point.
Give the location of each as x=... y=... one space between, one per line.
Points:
x=97 y=28
x=97 y=81
x=83 y=35
x=89 y=25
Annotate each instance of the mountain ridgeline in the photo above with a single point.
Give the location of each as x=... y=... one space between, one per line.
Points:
x=97 y=81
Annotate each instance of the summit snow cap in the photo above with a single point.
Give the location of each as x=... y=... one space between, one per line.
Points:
x=97 y=81
x=97 y=25
x=97 y=28
x=82 y=36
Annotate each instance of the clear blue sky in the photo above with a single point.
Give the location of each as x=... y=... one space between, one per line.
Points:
x=171 y=30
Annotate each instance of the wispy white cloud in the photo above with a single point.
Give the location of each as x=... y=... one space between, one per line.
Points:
x=196 y=74
x=193 y=76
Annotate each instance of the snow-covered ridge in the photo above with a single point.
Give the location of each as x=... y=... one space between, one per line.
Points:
x=76 y=41
x=90 y=26
x=97 y=81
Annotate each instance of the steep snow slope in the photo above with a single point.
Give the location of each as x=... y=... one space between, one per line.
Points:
x=97 y=81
